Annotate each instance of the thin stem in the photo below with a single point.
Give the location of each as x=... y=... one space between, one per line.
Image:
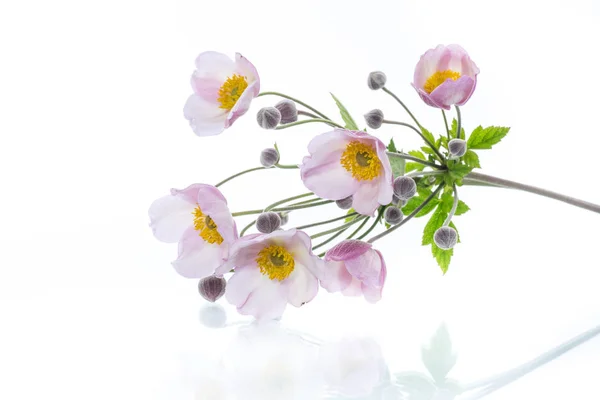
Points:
x=373 y=225
x=306 y=121
x=268 y=208
x=424 y=173
x=458 y=121
x=327 y=222
x=402 y=104
x=338 y=233
x=345 y=226
x=358 y=229
x=410 y=216
x=282 y=166
x=290 y=208
x=295 y=100
x=305 y=202
x=437 y=152
x=446 y=124
x=307 y=114
x=238 y=174
x=478 y=177
x=454 y=207
x=415 y=159
x=250 y=225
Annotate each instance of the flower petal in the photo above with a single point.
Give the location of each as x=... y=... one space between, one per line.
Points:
x=242 y=105
x=366 y=199
x=214 y=64
x=302 y=286
x=367 y=268
x=327 y=177
x=255 y=294
x=454 y=92
x=170 y=216
x=247 y=69
x=346 y=250
x=206 y=87
x=353 y=289
x=206 y=119
x=197 y=258
x=335 y=276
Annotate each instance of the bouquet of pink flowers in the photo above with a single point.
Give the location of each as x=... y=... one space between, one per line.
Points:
x=377 y=186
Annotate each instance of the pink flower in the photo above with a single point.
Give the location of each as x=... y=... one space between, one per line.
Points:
x=223 y=91
x=354 y=268
x=270 y=271
x=199 y=219
x=445 y=76
x=345 y=163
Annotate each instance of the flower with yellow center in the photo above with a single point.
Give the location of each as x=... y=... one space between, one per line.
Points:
x=275 y=262
x=438 y=78
x=361 y=161
x=231 y=90
x=206 y=227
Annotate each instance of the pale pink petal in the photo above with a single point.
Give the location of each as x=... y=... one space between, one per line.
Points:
x=242 y=105
x=196 y=190
x=243 y=282
x=337 y=139
x=213 y=203
x=367 y=268
x=428 y=100
x=386 y=190
x=302 y=286
x=170 y=216
x=454 y=92
x=427 y=65
x=245 y=250
x=213 y=64
x=365 y=200
x=327 y=177
x=335 y=276
x=347 y=250
x=206 y=88
x=206 y=119
x=353 y=289
x=255 y=294
x=247 y=69
x=197 y=258
x=373 y=293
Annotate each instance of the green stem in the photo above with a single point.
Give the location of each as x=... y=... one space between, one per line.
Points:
x=327 y=222
x=338 y=233
x=290 y=208
x=250 y=225
x=381 y=209
x=268 y=208
x=446 y=124
x=437 y=152
x=454 y=207
x=306 y=121
x=410 y=216
x=458 y=122
x=238 y=174
x=282 y=166
x=345 y=226
x=358 y=229
x=424 y=173
x=415 y=159
x=402 y=104
x=295 y=100
x=305 y=202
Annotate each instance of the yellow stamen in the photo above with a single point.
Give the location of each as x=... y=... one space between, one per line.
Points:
x=438 y=78
x=231 y=91
x=275 y=262
x=361 y=161
x=206 y=227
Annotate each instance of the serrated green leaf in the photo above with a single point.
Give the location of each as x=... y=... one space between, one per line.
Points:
x=428 y=135
x=418 y=154
x=471 y=159
x=436 y=221
x=398 y=164
x=458 y=171
x=485 y=138
x=415 y=202
x=413 y=166
x=443 y=257
x=350 y=124
x=455 y=127
x=444 y=142
x=461 y=208
x=447 y=201
x=392 y=146
x=427 y=150
x=348 y=219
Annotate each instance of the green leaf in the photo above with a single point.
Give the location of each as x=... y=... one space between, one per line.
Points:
x=461 y=208
x=415 y=202
x=418 y=154
x=438 y=356
x=455 y=127
x=471 y=159
x=447 y=201
x=458 y=171
x=413 y=166
x=436 y=221
x=428 y=135
x=348 y=219
x=427 y=150
x=444 y=142
x=350 y=124
x=276 y=148
x=392 y=146
x=442 y=257
x=485 y=138
x=387 y=226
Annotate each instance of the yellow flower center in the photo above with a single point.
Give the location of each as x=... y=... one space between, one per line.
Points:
x=438 y=78
x=231 y=91
x=361 y=161
x=206 y=227
x=275 y=262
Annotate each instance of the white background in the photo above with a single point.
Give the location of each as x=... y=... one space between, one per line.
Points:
x=91 y=97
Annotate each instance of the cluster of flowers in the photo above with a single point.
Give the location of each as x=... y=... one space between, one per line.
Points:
x=347 y=166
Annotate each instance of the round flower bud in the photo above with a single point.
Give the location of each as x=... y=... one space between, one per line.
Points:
x=268 y=117
x=376 y=80
x=269 y=157
x=213 y=316
x=288 y=111
x=268 y=222
x=393 y=215
x=212 y=287
x=404 y=187
x=285 y=217
x=397 y=201
x=445 y=237
x=374 y=118
x=457 y=147
x=344 y=204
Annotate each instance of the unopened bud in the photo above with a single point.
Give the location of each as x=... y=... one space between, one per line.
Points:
x=268 y=222
x=445 y=237
x=397 y=201
x=404 y=187
x=288 y=111
x=393 y=215
x=457 y=147
x=374 y=118
x=212 y=287
x=268 y=117
x=376 y=80
x=285 y=217
x=269 y=157
x=344 y=204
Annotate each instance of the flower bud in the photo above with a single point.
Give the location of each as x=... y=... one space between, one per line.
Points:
x=376 y=80
x=285 y=217
x=268 y=117
x=212 y=287
x=344 y=204
x=445 y=237
x=269 y=157
x=374 y=118
x=404 y=187
x=393 y=215
x=268 y=222
x=398 y=202
x=457 y=147
x=288 y=111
